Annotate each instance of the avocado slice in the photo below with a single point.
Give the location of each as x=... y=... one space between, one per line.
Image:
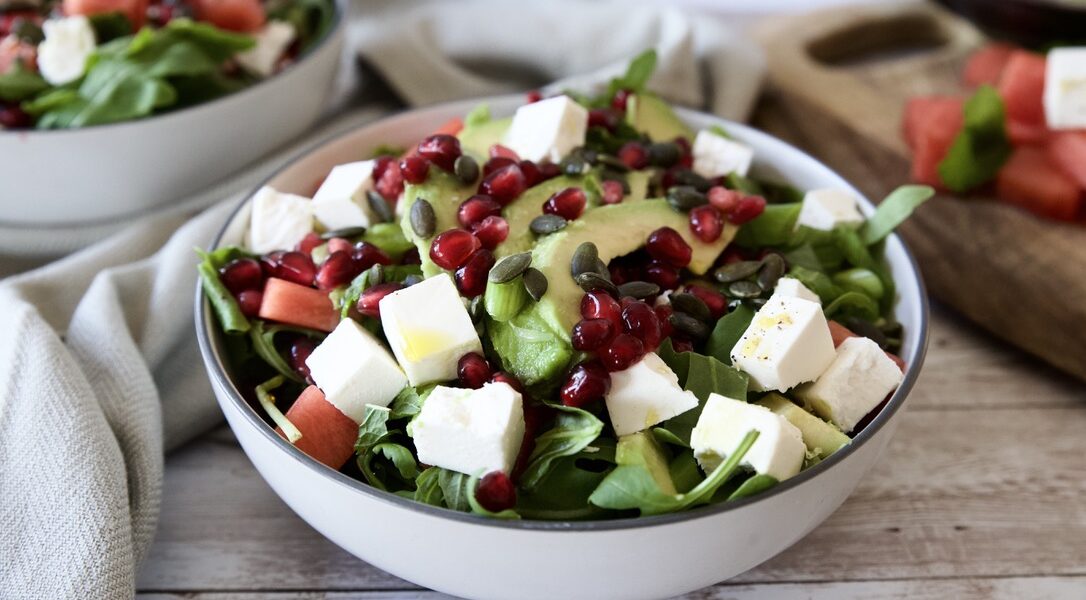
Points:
x=642 y=449
x=529 y=348
x=477 y=138
x=529 y=205
x=445 y=193
x=822 y=438
x=652 y=116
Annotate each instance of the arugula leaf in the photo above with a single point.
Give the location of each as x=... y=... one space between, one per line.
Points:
x=893 y=211
x=311 y=18
x=267 y=401
x=981 y=147
x=574 y=429
x=744 y=184
x=478 y=115
x=20 y=83
x=853 y=304
x=401 y=459
x=428 y=488
x=233 y=321
x=706 y=375
x=110 y=26
x=454 y=489
x=373 y=429
x=479 y=509
x=409 y=401
x=774 y=227
x=727 y=332
x=757 y=484
x=264 y=345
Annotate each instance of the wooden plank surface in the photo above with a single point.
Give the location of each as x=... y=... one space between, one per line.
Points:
x=981 y=494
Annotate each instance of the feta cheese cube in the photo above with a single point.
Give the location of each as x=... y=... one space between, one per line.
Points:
x=717 y=156
x=793 y=288
x=341 y=200
x=547 y=130
x=787 y=343
x=279 y=221
x=646 y=394
x=826 y=209
x=724 y=422
x=858 y=379
x=429 y=329
x=62 y=56
x=1065 y=88
x=271 y=43
x=473 y=432
x=353 y=369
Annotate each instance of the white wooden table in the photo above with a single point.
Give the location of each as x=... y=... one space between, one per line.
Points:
x=981 y=494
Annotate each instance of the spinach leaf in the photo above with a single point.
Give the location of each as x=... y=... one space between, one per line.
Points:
x=267 y=402
x=389 y=237
x=665 y=436
x=774 y=227
x=233 y=321
x=263 y=337
x=684 y=471
x=678 y=362
x=574 y=429
x=727 y=332
x=637 y=73
x=20 y=83
x=478 y=115
x=311 y=18
x=981 y=147
x=110 y=26
x=479 y=509
x=893 y=211
x=744 y=184
x=853 y=304
x=428 y=487
x=853 y=248
x=864 y=281
x=563 y=492
x=818 y=282
x=706 y=375
x=757 y=484
x=454 y=489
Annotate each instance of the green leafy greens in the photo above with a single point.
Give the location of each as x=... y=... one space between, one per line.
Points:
x=982 y=147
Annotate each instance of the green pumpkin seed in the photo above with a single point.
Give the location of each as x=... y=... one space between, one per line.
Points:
x=692 y=179
x=758 y=302
x=423 y=220
x=411 y=280
x=574 y=165
x=612 y=162
x=773 y=268
x=585 y=259
x=476 y=308
x=737 y=270
x=664 y=154
x=345 y=233
x=379 y=206
x=691 y=305
x=601 y=268
x=466 y=169
x=591 y=280
x=376 y=275
x=684 y=198
x=638 y=289
x=508 y=268
x=684 y=323
x=535 y=282
x=547 y=224
x=744 y=289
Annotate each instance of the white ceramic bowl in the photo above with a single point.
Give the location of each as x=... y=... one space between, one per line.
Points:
x=108 y=172
x=469 y=556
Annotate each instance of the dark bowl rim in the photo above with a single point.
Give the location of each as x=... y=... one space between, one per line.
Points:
x=216 y=370
x=338 y=22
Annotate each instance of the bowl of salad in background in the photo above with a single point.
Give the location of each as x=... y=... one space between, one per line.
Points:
x=111 y=108
x=553 y=460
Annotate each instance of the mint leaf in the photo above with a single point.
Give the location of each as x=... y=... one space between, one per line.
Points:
x=981 y=148
x=893 y=211
x=574 y=429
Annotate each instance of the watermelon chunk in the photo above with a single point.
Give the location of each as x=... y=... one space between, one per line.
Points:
x=328 y=436
x=985 y=66
x=1022 y=87
x=1020 y=133
x=1068 y=152
x=293 y=304
x=234 y=15
x=1030 y=180
x=930 y=125
x=135 y=10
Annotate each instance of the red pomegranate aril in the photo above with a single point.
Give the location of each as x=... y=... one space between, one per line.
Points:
x=663 y=315
x=496 y=163
x=717 y=302
x=586 y=383
x=390 y=183
x=508 y=378
x=706 y=223
x=611 y=191
x=296 y=268
x=665 y=244
x=724 y=199
x=491 y=231
x=498 y=150
x=533 y=96
x=473 y=370
x=309 y=242
x=369 y=303
x=300 y=350
x=249 y=302
x=601 y=305
x=686 y=155
x=504 y=184
x=639 y=320
x=414 y=168
x=549 y=171
x=496 y=492
x=663 y=275
x=532 y=173
x=440 y=149
x=242 y=274
x=14 y=117
x=619 y=100
x=733 y=254
x=452 y=248
x=535 y=415
x=471 y=277
x=476 y=208
x=621 y=273
x=622 y=352
x=411 y=257
x=380 y=164
x=603 y=117
x=339 y=269
x=590 y=334
x=749 y=208
x=568 y=203
x=340 y=245
x=682 y=345
x=634 y=155
x=366 y=255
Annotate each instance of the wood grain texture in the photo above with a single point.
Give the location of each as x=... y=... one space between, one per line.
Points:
x=1020 y=277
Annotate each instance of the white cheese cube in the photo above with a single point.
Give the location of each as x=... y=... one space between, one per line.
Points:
x=62 y=56
x=429 y=329
x=724 y=422
x=547 y=130
x=473 y=432
x=858 y=379
x=271 y=43
x=353 y=369
x=826 y=209
x=1065 y=88
x=716 y=156
x=341 y=200
x=278 y=221
x=793 y=288
x=646 y=394
x=787 y=343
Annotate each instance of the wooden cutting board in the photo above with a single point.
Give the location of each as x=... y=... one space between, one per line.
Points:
x=838 y=82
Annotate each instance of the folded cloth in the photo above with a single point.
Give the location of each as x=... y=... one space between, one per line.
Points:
x=99 y=368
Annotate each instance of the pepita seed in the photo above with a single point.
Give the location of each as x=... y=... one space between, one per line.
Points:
x=584 y=259
x=594 y=281
x=345 y=233
x=546 y=224
x=376 y=275
x=535 y=283
x=508 y=268
x=574 y=165
x=773 y=268
x=692 y=327
x=638 y=289
x=423 y=220
x=379 y=206
x=476 y=308
x=412 y=279
x=601 y=268
x=612 y=162
x=664 y=154
x=691 y=305
x=744 y=289
x=466 y=169
x=758 y=303
x=737 y=270
x=685 y=198
x=692 y=179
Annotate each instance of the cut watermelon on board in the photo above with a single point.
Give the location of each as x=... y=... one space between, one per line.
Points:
x=328 y=436
x=1067 y=150
x=234 y=15
x=985 y=66
x=931 y=123
x=1024 y=134
x=135 y=10
x=293 y=304
x=1022 y=87
x=1032 y=181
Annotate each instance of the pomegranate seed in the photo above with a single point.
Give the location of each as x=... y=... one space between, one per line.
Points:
x=534 y=417
x=621 y=273
x=339 y=269
x=639 y=320
x=669 y=179
x=309 y=242
x=390 y=183
x=663 y=315
x=749 y=208
x=269 y=263
x=549 y=171
x=300 y=350
x=366 y=255
x=634 y=155
x=369 y=303
x=505 y=184
x=249 y=302
x=491 y=232
x=601 y=305
x=733 y=254
x=568 y=203
x=13 y=117
x=473 y=370
x=496 y=492
x=508 y=378
x=717 y=302
x=471 y=277
x=686 y=155
x=533 y=96
x=475 y=209
x=532 y=174
x=665 y=244
x=706 y=223
x=723 y=199
x=603 y=117
x=496 y=163
x=612 y=191
x=682 y=345
x=452 y=248
x=411 y=257
x=414 y=169
x=340 y=245
x=498 y=150
x=441 y=149
x=591 y=334
x=297 y=268
x=618 y=102
x=242 y=274
x=622 y=352
x=663 y=275
x=380 y=165
x=587 y=382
